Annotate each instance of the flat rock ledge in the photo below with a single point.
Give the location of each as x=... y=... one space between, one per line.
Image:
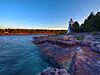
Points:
x=78 y=54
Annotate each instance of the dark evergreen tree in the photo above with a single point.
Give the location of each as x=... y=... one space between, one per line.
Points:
x=97 y=21
x=76 y=27
x=92 y=23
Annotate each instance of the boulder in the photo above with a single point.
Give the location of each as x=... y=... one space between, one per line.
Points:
x=54 y=71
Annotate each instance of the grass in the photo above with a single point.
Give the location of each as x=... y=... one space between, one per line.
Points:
x=80 y=37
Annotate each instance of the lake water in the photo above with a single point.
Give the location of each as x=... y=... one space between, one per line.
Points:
x=19 y=56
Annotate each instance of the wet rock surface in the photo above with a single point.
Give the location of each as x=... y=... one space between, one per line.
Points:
x=78 y=57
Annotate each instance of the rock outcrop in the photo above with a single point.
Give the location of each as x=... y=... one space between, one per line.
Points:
x=78 y=57
x=53 y=71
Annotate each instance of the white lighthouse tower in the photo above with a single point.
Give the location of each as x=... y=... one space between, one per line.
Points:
x=71 y=22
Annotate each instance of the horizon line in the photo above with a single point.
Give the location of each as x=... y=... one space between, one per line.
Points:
x=34 y=29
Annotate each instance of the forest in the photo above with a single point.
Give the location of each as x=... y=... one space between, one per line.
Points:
x=90 y=24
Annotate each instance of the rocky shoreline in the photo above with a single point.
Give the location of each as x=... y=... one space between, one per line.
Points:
x=78 y=54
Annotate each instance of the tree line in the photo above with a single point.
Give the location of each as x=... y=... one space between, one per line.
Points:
x=30 y=31
x=91 y=23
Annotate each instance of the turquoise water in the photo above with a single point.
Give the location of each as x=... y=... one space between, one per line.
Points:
x=19 y=56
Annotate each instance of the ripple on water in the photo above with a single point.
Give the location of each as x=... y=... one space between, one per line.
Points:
x=19 y=56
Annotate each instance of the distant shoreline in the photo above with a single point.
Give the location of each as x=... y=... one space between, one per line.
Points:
x=29 y=32
x=1 y=34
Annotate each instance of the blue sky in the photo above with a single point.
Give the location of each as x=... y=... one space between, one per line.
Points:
x=44 y=14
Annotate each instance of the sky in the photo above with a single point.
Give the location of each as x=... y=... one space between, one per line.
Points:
x=44 y=14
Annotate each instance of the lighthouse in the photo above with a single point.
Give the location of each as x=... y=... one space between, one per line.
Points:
x=71 y=22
